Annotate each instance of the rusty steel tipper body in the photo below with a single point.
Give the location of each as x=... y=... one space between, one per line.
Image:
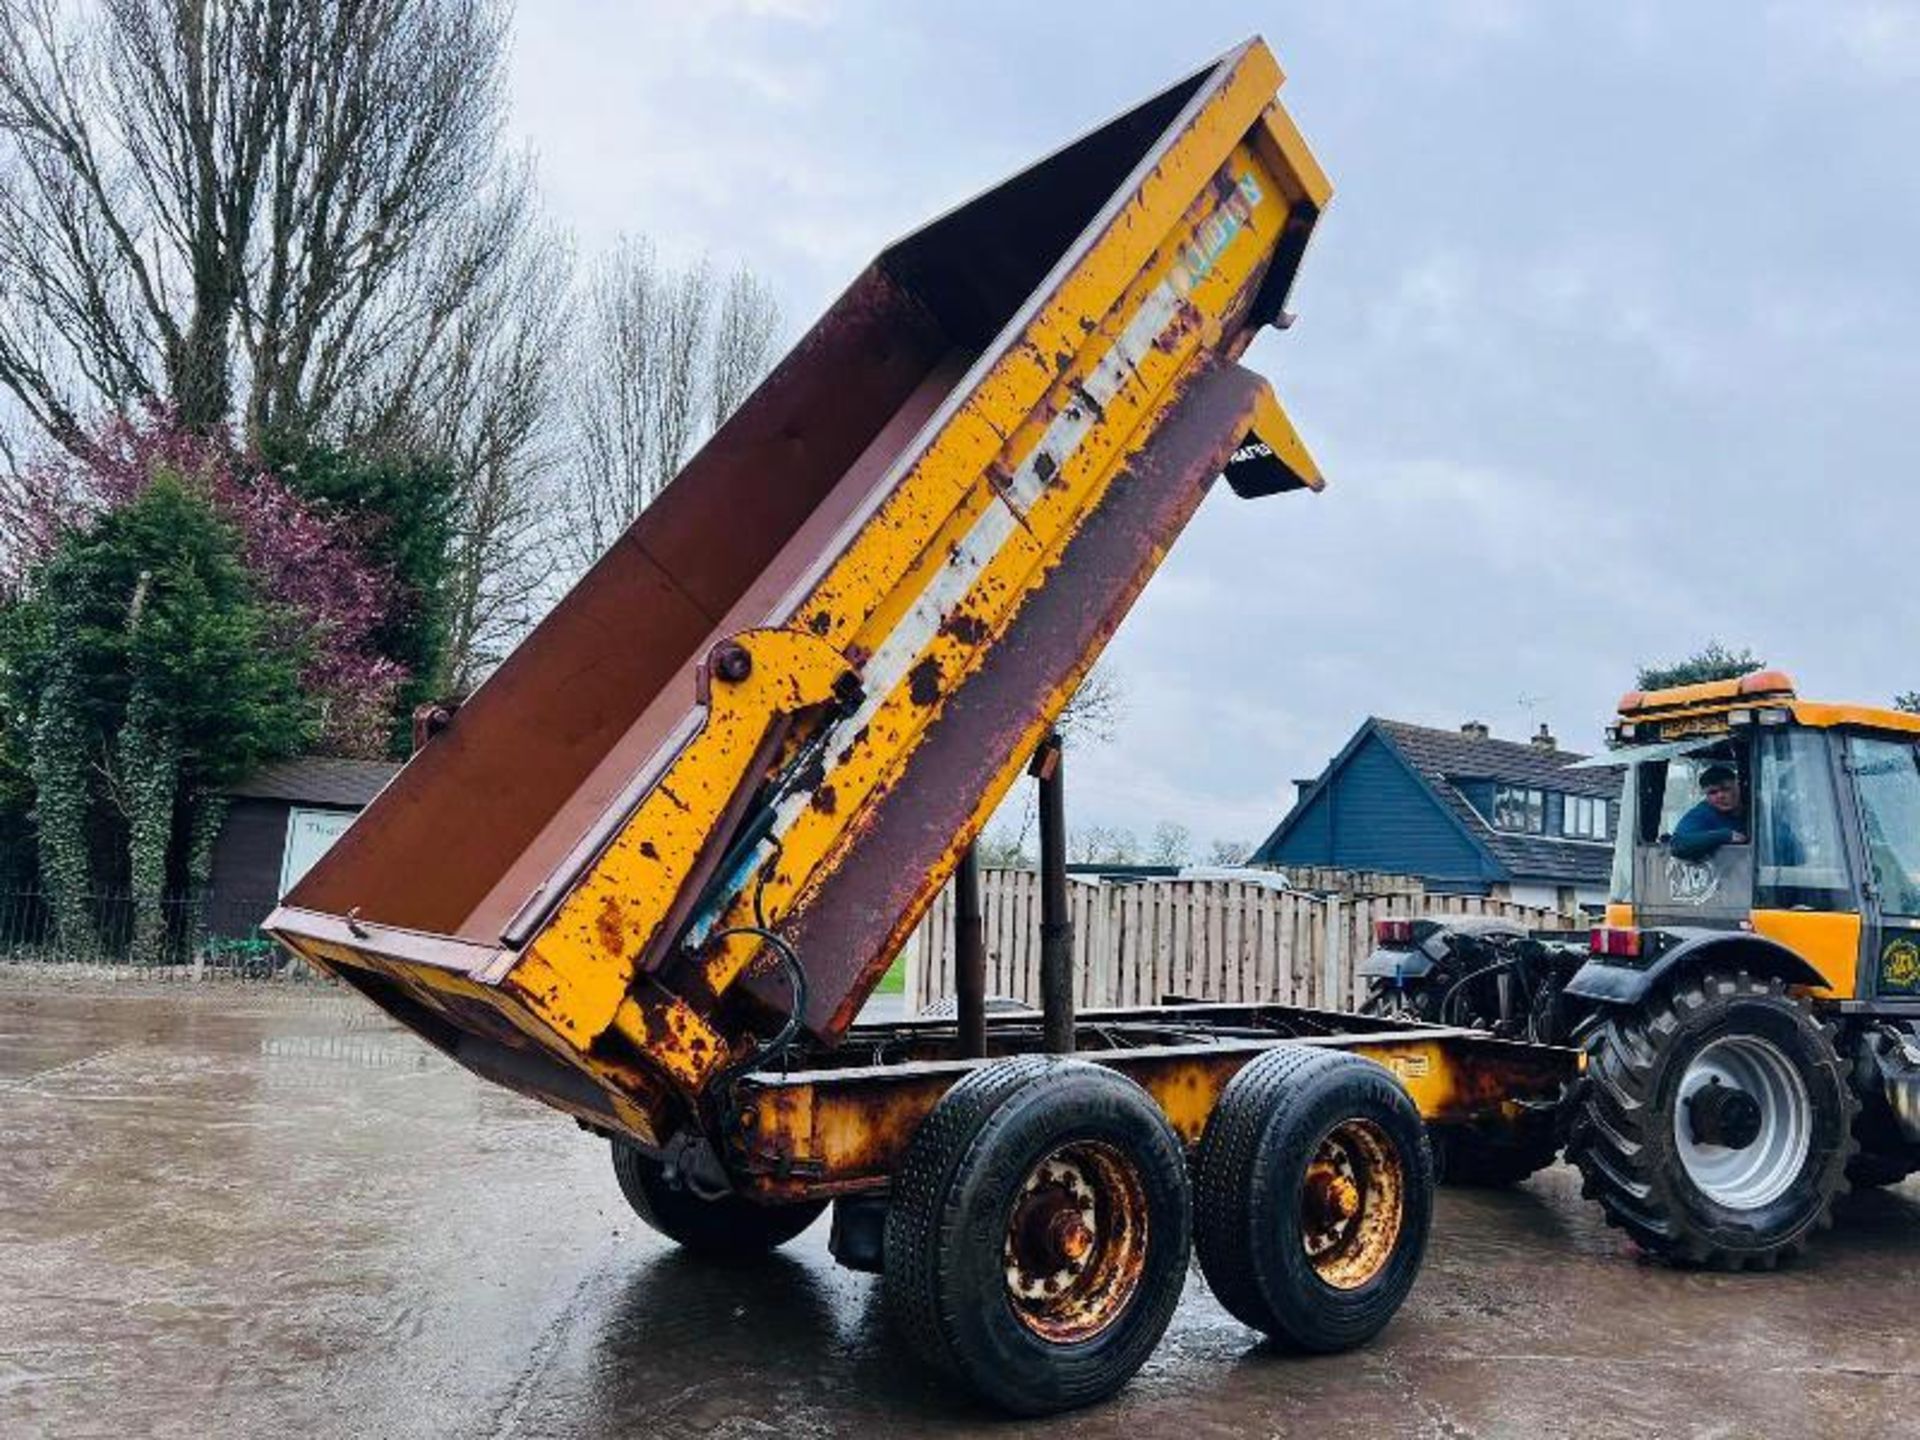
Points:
x=652 y=870
x=800 y=682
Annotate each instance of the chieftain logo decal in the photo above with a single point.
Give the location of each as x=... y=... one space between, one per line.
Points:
x=1900 y=965
x=1689 y=883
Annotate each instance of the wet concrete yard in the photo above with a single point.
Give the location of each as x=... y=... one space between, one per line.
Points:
x=232 y=1211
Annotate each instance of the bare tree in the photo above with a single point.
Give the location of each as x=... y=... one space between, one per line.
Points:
x=1103 y=845
x=488 y=404
x=1001 y=849
x=253 y=205
x=743 y=341
x=1170 y=844
x=1228 y=852
x=659 y=366
x=1093 y=715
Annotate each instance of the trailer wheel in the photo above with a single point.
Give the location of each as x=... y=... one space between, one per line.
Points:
x=1313 y=1191
x=725 y=1228
x=1714 y=1122
x=1038 y=1233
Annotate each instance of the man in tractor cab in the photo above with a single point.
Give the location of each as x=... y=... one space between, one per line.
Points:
x=1715 y=821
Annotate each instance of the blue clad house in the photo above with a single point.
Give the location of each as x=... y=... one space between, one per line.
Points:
x=1464 y=812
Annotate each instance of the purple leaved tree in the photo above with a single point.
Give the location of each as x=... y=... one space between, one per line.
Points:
x=328 y=600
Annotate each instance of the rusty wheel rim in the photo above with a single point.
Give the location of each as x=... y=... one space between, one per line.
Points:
x=1076 y=1242
x=1351 y=1203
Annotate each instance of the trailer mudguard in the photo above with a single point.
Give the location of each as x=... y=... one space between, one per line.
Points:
x=1620 y=982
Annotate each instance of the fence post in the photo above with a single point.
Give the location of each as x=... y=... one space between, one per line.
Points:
x=911 y=981
x=1331 y=995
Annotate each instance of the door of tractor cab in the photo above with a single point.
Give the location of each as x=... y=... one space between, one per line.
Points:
x=1885 y=772
x=1806 y=890
x=1668 y=889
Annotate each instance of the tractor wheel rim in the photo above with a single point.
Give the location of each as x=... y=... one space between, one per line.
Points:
x=1352 y=1202
x=1076 y=1242
x=1754 y=1175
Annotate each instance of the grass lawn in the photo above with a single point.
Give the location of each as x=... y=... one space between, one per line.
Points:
x=894 y=982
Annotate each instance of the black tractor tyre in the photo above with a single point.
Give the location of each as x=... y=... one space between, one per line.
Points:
x=1054 y=1156
x=1464 y=1158
x=1885 y=1156
x=1459 y=1157
x=1258 y=1212
x=1419 y=1001
x=1626 y=1143
x=727 y=1227
x=1877 y=1169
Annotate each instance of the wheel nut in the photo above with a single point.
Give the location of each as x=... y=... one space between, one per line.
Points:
x=1332 y=1199
x=1069 y=1238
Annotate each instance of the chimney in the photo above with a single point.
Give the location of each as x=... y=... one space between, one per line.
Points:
x=1544 y=740
x=1474 y=730
x=1300 y=788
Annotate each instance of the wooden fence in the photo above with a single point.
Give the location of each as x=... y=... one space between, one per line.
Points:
x=1134 y=943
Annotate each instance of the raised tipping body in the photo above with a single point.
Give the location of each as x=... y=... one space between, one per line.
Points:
x=794 y=689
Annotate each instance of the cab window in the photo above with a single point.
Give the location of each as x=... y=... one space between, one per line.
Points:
x=1799 y=861
x=1620 y=884
x=1888 y=782
x=1670 y=788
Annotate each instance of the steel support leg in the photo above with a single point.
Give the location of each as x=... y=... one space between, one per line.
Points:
x=1056 y=928
x=970 y=957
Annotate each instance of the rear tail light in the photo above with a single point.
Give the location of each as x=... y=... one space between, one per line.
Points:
x=1393 y=932
x=1611 y=941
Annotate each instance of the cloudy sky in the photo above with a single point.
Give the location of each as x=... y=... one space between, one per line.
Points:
x=1607 y=344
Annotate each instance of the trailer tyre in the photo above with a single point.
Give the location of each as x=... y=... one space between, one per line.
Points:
x=1313 y=1192
x=725 y=1228
x=1714 y=1122
x=1038 y=1233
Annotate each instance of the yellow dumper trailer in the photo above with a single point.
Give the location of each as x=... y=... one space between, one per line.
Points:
x=651 y=871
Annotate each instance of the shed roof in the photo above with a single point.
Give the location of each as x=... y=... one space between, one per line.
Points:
x=317 y=780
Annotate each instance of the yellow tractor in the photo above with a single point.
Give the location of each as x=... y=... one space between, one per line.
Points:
x=1750 y=1009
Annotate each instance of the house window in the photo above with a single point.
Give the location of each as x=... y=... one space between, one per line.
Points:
x=1583 y=817
x=1517 y=807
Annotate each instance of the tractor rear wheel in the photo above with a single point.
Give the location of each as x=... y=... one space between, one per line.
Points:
x=723 y=1228
x=1714 y=1122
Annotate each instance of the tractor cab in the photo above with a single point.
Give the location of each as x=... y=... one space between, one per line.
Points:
x=1746 y=808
